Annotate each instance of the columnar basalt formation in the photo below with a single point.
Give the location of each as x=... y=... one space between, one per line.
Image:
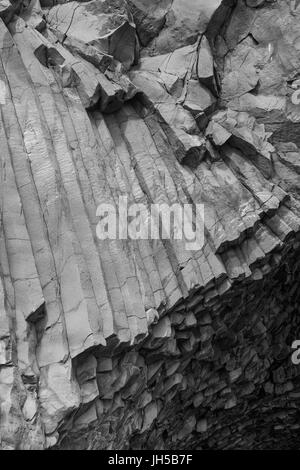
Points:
x=144 y=344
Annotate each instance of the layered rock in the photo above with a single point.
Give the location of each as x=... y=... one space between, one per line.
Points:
x=117 y=344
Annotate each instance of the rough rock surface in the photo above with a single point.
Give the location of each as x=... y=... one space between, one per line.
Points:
x=117 y=344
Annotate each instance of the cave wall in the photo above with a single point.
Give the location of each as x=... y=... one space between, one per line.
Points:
x=143 y=344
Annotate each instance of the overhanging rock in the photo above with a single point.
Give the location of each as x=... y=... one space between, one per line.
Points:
x=146 y=344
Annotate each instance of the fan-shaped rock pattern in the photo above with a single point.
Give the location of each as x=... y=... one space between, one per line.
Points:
x=124 y=343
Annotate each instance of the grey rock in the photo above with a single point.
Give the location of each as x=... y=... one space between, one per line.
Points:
x=145 y=344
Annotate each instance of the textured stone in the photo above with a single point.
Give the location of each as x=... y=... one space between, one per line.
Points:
x=184 y=21
x=106 y=27
x=144 y=344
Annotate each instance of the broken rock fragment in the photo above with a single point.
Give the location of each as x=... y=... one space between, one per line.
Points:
x=107 y=27
x=184 y=21
x=244 y=132
x=149 y=18
x=9 y=8
x=170 y=86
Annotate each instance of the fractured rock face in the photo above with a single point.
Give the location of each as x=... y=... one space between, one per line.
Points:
x=106 y=26
x=184 y=21
x=9 y=8
x=140 y=342
x=149 y=18
x=243 y=132
x=171 y=84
